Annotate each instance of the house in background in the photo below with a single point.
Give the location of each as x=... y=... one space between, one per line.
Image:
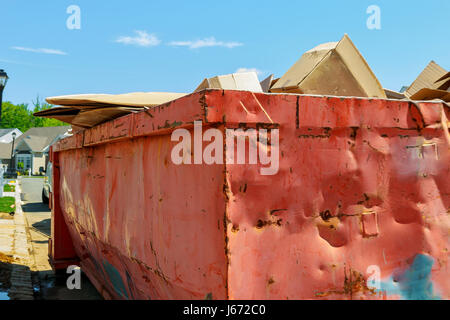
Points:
x=5 y=154
x=31 y=148
x=6 y=135
x=6 y=138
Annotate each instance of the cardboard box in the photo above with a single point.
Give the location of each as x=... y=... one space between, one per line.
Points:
x=432 y=83
x=247 y=81
x=390 y=94
x=335 y=68
x=267 y=83
x=431 y=94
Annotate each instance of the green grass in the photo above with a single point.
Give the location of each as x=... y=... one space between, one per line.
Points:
x=6 y=203
x=9 y=188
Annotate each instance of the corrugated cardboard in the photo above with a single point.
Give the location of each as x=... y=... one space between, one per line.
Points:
x=432 y=83
x=273 y=82
x=443 y=83
x=394 y=94
x=91 y=118
x=88 y=117
x=427 y=79
x=88 y=110
x=431 y=94
x=335 y=68
x=247 y=81
x=135 y=99
x=266 y=83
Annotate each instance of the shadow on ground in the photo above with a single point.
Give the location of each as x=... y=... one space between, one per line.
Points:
x=43 y=226
x=54 y=287
x=35 y=207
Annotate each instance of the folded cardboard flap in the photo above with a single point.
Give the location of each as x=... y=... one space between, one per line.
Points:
x=335 y=68
x=431 y=94
x=432 y=83
x=247 y=81
x=57 y=111
x=266 y=83
x=444 y=77
x=293 y=78
x=85 y=118
x=91 y=118
x=134 y=99
x=390 y=94
x=431 y=78
x=88 y=110
x=443 y=83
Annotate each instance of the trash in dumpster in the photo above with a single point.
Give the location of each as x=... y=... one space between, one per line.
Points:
x=390 y=94
x=266 y=84
x=432 y=83
x=134 y=99
x=247 y=81
x=65 y=114
x=334 y=68
x=88 y=110
x=89 y=118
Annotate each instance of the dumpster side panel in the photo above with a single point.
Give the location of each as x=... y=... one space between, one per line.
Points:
x=143 y=227
x=358 y=209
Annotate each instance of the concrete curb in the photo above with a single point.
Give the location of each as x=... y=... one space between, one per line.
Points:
x=21 y=285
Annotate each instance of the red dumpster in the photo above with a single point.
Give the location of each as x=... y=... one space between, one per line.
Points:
x=356 y=208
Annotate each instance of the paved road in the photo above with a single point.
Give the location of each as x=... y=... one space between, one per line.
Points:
x=48 y=286
x=36 y=212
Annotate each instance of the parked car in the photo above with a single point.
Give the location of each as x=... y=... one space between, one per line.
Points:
x=47 y=188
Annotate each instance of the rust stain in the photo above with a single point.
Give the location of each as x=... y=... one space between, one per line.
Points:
x=354 y=283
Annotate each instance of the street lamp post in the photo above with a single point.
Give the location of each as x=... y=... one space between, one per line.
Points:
x=11 y=171
x=3 y=80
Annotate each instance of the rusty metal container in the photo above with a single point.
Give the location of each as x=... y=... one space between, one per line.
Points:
x=359 y=208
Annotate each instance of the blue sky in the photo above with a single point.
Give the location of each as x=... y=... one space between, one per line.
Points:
x=182 y=42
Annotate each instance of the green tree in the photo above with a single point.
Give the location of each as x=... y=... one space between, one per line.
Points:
x=20 y=116
x=16 y=116
x=44 y=122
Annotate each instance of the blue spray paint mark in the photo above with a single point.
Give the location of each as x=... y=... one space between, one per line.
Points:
x=116 y=279
x=98 y=268
x=130 y=285
x=414 y=283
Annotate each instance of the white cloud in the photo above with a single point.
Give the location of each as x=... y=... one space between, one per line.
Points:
x=142 y=39
x=41 y=50
x=242 y=70
x=207 y=42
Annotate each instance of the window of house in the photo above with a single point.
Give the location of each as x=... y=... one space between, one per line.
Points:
x=25 y=159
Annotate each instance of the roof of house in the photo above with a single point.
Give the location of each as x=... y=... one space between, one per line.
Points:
x=6 y=131
x=5 y=150
x=38 y=139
